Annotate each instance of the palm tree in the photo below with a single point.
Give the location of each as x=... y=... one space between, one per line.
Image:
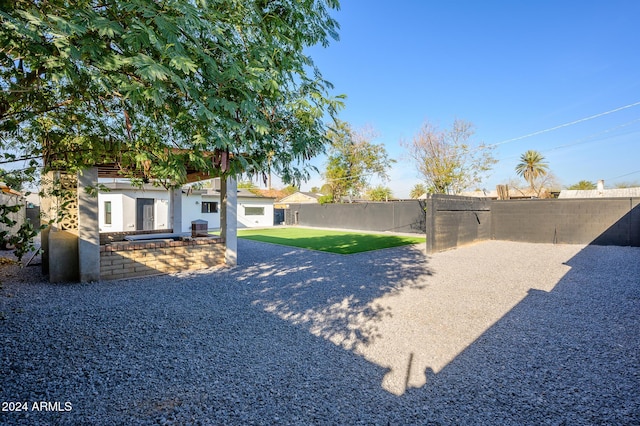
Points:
x=532 y=167
x=418 y=190
x=583 y=184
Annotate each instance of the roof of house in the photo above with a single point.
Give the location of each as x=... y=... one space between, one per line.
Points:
x=242 y=193
x=600 y=193
x=311 y=196
x=271 y=193
x=5 y=189
x=514 y=193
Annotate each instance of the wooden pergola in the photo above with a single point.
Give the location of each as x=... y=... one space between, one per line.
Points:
x=86 y=222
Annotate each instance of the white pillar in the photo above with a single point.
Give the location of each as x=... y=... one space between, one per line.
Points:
x=176 y=210
x=88 y=230
x=231 y=222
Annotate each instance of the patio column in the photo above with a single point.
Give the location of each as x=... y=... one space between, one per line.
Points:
x=88 y=228
x=47 y=212
x=229 y=199
x=176 y=210
x=59 y=205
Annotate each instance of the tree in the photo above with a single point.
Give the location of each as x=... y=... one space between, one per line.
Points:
x=583 y=184
x=532 y=167
x=379 y=193
x=543 y=188
x=225 y=87
x=157 y=85
x=352 y=160
x=246 y=184
x=418 y=190
x=627 y=185
x=290 y=189
x=447 y=160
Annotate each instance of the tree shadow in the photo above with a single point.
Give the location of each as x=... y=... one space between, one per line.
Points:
x=390 y=307
x=329 y=294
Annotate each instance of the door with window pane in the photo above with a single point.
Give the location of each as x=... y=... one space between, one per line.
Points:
x=144 y=214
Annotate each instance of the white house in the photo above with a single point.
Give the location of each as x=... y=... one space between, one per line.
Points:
x=254 y=211
x=125 y=208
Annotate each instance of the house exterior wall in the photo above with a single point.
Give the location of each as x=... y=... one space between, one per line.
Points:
x=251 y=220
x=123 y=209
x=192 y=210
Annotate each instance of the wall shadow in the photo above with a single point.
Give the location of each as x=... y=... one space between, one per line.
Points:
x=397 y=308
x=519 y=323
x=625 y=231
x=569 y=353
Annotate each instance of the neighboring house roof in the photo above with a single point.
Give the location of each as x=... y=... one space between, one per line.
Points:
x=514 y=193
x=245 y=193
x=301 y=197
x=271 y=193
x=600 y=193
x=6 y=190
x=242 y=193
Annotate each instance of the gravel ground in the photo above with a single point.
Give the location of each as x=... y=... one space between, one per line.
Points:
x=493 y=333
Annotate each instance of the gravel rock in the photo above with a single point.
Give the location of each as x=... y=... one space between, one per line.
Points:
x=493 y=333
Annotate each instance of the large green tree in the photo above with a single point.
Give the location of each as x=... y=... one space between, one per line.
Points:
x=160 y=84
x=532 y=167
x=448 y=160
x=353 y=159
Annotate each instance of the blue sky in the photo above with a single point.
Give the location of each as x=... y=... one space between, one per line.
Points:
x=513 y=68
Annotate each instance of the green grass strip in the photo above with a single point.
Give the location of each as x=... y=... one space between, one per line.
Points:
x=340 y=242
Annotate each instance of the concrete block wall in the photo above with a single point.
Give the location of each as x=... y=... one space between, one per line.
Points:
x=394 y=216
x=453 y=221
x=450 y=221
x=137 y=259
x=613 y=221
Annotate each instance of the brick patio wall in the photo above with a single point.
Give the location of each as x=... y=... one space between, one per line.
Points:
x=114 y=237
x=137 y=259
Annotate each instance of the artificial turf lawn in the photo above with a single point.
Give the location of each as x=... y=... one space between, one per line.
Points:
x=340 y=242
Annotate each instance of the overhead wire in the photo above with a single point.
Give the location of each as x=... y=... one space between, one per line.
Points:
x=579 y=141
x=566 y=124
x=587 y=139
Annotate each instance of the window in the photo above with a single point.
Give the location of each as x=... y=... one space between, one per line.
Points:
x=209 y=207
x=107 y=212
x=254 y=211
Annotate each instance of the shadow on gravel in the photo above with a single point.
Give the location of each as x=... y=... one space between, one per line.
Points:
x=417 y=322
x=565 y=356
x=251 y=345
x=329 y=293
